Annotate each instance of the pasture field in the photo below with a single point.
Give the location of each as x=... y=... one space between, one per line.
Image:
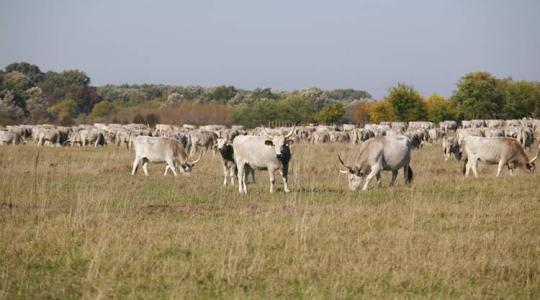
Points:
x=75 y=224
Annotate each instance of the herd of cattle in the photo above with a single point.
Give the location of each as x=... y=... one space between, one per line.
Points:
x=386 y=146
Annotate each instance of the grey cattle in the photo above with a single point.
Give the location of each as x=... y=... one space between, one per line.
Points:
x=7 y=137
x=388 y=153
x=87 y=136
x=267 y=152
x=450 y=145
x=502 y=151
x=157 y=149
x=202 y=139
x=230 y=170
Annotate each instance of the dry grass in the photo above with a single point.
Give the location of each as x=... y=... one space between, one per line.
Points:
x=75 y=224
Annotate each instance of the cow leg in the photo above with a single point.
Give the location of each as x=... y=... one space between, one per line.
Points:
x=394 y=175
x=145 y=166
x=474 y=165
x=372 y=174
x=225 y=174
x=500 y=167
x=241 y=178
x=232 y=174
x=379 y=182
x=285 y=179
x=135 y=165
x=170 y=165
x=272 y=179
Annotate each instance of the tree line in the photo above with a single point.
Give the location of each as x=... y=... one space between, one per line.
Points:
x=29 y=95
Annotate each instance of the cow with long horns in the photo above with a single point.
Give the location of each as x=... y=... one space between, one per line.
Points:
x=502 y=151
x=268 y=152
x=382 y=153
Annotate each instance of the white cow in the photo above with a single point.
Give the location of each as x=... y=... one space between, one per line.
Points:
x=263 y=153
x=502 y=151
x=157 y=149
x=383 y=153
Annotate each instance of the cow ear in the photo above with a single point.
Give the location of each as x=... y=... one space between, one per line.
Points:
x=268 y=143
x=290 y=142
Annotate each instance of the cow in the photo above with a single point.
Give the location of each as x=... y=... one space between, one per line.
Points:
x=8 y=137
x=202 y=139
x=263 y=152
x=502 y=151
x=229 y=165
x=388 y=153
x=450 y=145
x=526 y=137
x=158 y=149
x=448 y=125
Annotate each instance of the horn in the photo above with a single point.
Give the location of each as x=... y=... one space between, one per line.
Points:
x=266 y=133
x=536 y=157
x=341 y=171
x=197 y=160
x=342 y=163
x=290 y=133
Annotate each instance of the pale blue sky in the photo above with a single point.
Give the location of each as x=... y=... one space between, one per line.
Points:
x=281 y=44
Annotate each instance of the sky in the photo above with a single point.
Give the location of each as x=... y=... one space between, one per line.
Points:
x=283 y=44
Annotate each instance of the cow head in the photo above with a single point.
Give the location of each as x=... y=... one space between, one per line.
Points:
x=531 y=165
x=451 y=146
x=279 y=142
x=187 y=166
x=221 y=143
x=355 y=176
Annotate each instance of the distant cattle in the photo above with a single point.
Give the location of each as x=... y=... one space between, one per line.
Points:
x=9 y=138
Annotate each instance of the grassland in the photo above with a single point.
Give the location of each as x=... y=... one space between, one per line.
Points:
x=75 y=224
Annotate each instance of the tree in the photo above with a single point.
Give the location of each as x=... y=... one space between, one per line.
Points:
x=479 y=96
x=439 y=108
x=29 y=70
x=65 y=108
x=382 y=111
x=152 y=119
x=103 y=109
x=330 y=113
x=139 y=119
x=521 y=99
x=361 y=112
x=407 y=103
x=71 y=84
x=221 y=93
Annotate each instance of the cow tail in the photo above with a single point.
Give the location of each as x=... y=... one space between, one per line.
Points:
x=464 y=170
x=408 y=175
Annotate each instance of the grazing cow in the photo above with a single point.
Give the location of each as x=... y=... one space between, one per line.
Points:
x=450 y=145
x=526 y=137
x=263 y=152
x=86 y=136
x=157 y=149
x=229 y=165
x=202 y=139
x=389 y=153
x=502 y=151
x=448 y=125
x=7 y=137
x=48 y=135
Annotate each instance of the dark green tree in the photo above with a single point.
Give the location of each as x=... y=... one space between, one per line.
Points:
x=330 y=113
x=479 y=95
x=521 y=99
x=407 y=103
